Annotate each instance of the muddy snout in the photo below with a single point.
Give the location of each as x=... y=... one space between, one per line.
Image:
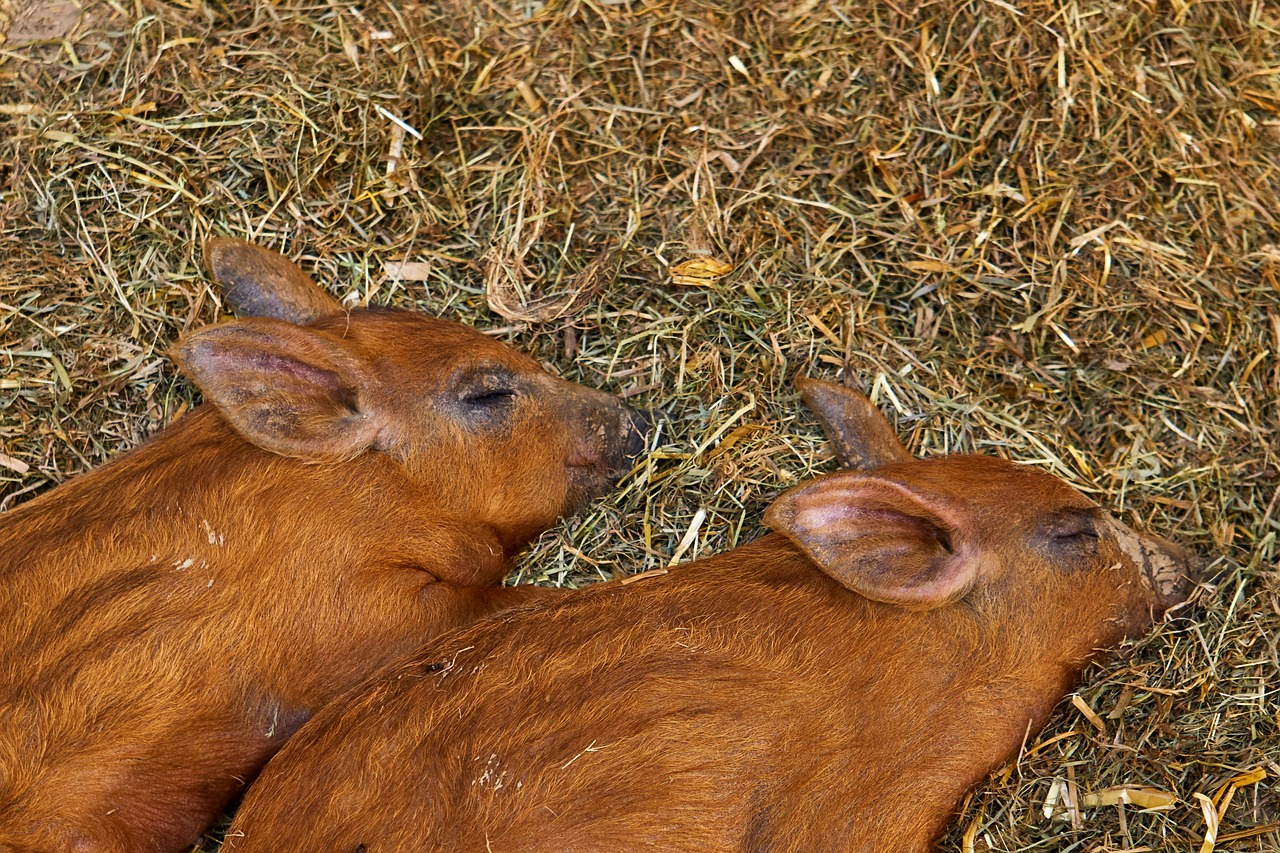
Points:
x=1169 y=571
x=611 y=437
x=625 y=439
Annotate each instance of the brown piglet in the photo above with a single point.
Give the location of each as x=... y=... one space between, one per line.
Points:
x=835 y=685
x=355 y=483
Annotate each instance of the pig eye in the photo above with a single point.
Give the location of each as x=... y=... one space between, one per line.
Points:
x=1077 y=536
x=1072 y=532
x=486 y=394
x=489 y=397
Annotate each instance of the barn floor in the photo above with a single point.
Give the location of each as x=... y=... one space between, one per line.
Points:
x=1041 y=229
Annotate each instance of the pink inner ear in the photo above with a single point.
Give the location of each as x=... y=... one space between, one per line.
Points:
x=285 y=367
x=879 y=538
x=854 y=521
x=286 y=389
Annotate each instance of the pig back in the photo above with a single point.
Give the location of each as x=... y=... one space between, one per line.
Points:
x=737 y=703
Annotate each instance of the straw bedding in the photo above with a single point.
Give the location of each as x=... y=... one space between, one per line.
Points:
x=1040 y=229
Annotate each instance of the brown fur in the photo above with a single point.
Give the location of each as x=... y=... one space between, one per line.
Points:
x=173 y=616
x=750 y=701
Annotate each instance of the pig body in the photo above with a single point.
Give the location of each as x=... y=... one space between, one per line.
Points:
x=837 y=685
x=355 y=486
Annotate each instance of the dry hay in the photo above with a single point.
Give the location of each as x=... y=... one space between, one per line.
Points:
x=1037 y=228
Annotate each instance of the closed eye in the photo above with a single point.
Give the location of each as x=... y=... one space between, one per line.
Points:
x=1072 y=533
x=489 y=397
x=1084 y=535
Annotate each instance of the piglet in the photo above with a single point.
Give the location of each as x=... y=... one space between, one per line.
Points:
x=355 y=483
x=836 y=685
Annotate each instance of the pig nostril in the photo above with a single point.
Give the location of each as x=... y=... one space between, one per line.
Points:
x=641 y=426
x=644 y=420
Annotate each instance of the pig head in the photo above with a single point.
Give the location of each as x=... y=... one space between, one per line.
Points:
x=836 y=685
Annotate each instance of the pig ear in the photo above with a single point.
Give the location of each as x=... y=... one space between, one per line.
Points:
x=879 y=539
x=289 y=390
x=257 y=282
x=863 y=438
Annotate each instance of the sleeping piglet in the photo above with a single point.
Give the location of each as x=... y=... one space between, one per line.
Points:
x=356 y=482
x=838 y=684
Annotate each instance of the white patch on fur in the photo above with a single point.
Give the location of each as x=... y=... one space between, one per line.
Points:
x=215 y=538
x=490 y=777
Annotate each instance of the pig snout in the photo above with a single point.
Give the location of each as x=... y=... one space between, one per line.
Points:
x=1169 y=571
x=612 y=436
